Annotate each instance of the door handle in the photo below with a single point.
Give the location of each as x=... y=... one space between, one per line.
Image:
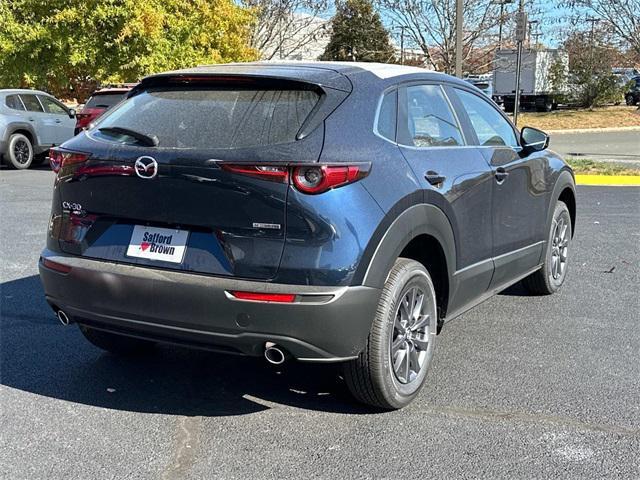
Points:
x=501 y=174
x=434 y=178
x=31 y=119
x=58 y=120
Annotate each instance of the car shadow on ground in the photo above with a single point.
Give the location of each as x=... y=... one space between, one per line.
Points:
x=40 y=356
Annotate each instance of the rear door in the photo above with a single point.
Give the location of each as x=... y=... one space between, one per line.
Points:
x=216 y=182
x=58 y=120
x=36 y=117
x=519 y=190
x=454 y=176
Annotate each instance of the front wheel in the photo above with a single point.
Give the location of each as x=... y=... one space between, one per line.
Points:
x=391 y=370
x=630 y=100
x=551 y=276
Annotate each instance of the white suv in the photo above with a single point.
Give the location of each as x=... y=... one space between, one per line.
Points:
x=31 y=122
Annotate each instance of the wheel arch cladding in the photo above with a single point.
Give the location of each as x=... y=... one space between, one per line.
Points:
x=564 y=191
x=569 y=198
x=27 y=132
x=422 y=232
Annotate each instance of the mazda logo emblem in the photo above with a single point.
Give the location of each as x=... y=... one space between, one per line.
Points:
x=146 y=167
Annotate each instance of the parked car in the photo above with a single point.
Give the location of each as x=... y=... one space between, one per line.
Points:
x=31 y=122
x=325 y=212
x=632 y=96
x=99 y=102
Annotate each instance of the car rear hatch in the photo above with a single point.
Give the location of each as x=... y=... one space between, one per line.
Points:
x=172 y=178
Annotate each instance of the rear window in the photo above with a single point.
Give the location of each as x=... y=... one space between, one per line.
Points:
x=213 y=118
x=13 y=101
x=104 y=100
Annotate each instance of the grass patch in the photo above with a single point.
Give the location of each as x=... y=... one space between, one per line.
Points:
x=605 y=117
x=585 y=166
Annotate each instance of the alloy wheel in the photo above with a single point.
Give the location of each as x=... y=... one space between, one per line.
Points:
x=559 y=248
x=414 y=328
x=21 y=152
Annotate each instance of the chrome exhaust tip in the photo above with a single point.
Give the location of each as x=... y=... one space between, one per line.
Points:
x=274 y=354
x=63 y=317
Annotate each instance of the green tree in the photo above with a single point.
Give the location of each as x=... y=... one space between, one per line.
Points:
x=68 y=46
x=358 y=34
x=591 y=80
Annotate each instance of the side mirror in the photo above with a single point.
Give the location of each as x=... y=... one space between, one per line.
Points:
x=72 y=113
x=533 y=140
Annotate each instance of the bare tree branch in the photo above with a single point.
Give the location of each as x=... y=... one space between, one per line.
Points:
x=285 y=27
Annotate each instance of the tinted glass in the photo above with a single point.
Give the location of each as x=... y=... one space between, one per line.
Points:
x=13 y=101
x=32 y=103
x=104 y=100
x=387 y=116
x=429 y=121
x=490 y=126
x=207 y=118
x=51 y=106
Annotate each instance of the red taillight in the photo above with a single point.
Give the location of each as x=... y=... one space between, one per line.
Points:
x=61 y=158
x=264 y=297
x=58 y=267
x=311 y=179
x=266 y=172
x=317 y=179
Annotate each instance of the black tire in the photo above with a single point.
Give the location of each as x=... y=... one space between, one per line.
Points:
x=548 y=279
x=372 y=377
x=117 y=344
x=630 y=100
x=19 y=153
x=509 y=107
x=547 y=106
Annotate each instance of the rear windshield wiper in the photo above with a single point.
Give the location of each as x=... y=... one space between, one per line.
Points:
x=147 y=140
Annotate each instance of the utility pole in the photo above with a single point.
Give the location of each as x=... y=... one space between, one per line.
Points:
x=501 y=21
x=402 y=29
x=521 y=34
x=459 y=27
x=593 y=22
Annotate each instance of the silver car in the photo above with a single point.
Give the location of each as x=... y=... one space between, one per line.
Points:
x=31 y=122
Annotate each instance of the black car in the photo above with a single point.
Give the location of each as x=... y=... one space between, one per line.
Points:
x=324 y=212
x=632 y=96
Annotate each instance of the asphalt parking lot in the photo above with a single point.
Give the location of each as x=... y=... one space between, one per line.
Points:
x=522 y=387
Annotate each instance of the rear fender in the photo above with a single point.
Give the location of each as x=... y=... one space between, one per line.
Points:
x=417 y=220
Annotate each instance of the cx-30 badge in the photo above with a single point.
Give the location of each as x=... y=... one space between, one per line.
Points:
x=146 y=167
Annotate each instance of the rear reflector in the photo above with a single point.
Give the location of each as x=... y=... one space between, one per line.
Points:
x=58 y=267
x=264 y=297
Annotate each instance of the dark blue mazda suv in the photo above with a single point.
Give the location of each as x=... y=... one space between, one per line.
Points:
x=324 y=212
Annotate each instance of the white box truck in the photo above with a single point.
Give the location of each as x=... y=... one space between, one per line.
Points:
x=536 y=78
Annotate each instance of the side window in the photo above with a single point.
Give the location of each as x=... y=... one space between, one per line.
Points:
x=491 y=128
x=429 y=120
x=13 y=101
x=386 y=125
x=51 y=106
x=32 y=103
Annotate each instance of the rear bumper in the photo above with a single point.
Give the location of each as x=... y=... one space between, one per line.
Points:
x=325 y=324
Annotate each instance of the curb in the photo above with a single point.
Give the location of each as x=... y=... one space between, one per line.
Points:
x=595 y=130
x=609 y=180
